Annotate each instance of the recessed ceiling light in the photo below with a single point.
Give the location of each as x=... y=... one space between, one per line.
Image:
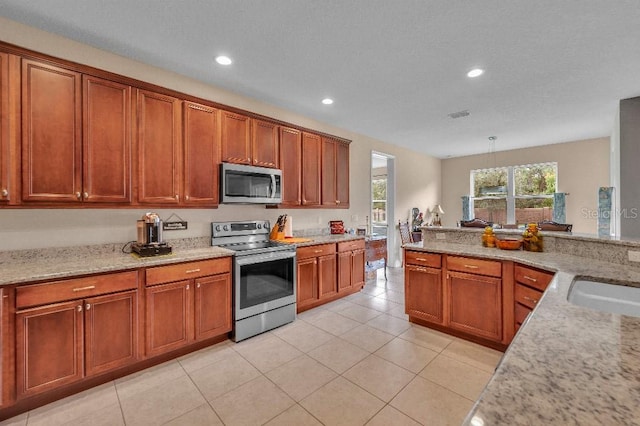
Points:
x=475 y=72
x=327 y=101
x=223 y=60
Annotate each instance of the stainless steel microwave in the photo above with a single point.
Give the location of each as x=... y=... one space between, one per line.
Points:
x=250 y=184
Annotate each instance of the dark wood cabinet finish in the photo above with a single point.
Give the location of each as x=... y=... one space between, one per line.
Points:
x=327 y=275
x=236 y=142
x=264 y=144
x=311 y=152
x=317 y=275
x=48 y=347
x=106 y=141
x=4 y=130
x=51 y=133
x=159 y=146
x=201 y=155
x=212 y=306
x=424 y=293
x=307 y=275
x=342 y=174
x=290 y=164
x=7 y=361
x=335 y=173
x=475 y=304
x=351 y=261
x=169 y=314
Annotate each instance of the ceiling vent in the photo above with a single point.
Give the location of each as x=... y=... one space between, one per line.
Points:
x=459 y=114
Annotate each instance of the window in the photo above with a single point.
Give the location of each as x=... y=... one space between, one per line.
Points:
x=514 y=194
x=379 y=200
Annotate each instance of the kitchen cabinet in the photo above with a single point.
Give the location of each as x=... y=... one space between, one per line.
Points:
x=60 y=341
x=335 y=173
x=6 y=350
x=159 y=147
x=236 y=142
x=187 y=302
x=201 y=155
x=311 y=152
x=351 y=261
x=424 y=287
x=5 y=161
x=290 y=164
x=51 y=133
x=316 y=272
x=264 y=143
x=530 y=283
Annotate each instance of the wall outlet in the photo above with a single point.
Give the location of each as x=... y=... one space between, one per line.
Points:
x=441 y=236
x=634 y=256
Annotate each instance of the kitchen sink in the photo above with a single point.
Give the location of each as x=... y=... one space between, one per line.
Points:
x=605 y=297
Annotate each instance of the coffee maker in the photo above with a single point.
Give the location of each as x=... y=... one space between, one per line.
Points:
x=149 y=241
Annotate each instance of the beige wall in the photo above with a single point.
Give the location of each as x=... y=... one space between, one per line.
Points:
x=583 y=166
x=418 y=176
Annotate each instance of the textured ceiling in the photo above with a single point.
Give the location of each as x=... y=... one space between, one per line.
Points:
x=555 y=70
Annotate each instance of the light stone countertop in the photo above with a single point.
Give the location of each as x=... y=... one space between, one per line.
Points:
x=567 y=364
x=328 y=239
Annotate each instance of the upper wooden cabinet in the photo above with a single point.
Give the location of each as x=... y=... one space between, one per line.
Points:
x=106 y=141
x=264 y=144
x=201 y=154
x=4 y=128
x=51 y=133
x=290 y=163
x=159 y=148
x=335 y=173
x=236 y=144
x=311 y=152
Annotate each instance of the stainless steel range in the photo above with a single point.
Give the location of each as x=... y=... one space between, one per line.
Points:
x=264 y=276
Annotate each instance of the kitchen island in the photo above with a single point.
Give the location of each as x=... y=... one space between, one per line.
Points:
x=567 y=364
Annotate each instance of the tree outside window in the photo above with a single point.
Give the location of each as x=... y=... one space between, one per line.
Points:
x=379 y=204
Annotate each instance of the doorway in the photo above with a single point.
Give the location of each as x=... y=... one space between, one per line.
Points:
x=383 y=201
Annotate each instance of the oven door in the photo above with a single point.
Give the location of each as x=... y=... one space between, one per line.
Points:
x=264 y=282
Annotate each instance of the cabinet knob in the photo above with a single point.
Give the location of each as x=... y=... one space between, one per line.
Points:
x=5 y=192
x=78 y=195
x=187 y=286
x=186 y=197
x=177 y=198
x=87 y=306
x=337 y=201
x=198 y=285
x=79 y=308
x=85 y=195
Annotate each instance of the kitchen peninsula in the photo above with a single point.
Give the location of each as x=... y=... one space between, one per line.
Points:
x=566 y=364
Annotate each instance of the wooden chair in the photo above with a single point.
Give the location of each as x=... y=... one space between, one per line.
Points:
x=405 y=235
x=475 y=223
x=549 y=225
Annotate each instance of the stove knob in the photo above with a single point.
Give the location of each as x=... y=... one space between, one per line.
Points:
x=218 y=228
x=259 y=226
x=226 y=227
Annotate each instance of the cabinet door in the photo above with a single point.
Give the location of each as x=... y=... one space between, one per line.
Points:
x=212 y=306
x=4 y=129
x=236 y=146
x=344 y=271
x=201 y=154
x=51 y=133
x=264 y=143
x=310 y=169
x=342 y=174
x=424 y=293
x=327 y=276
x=48 y=347
x=106 y=141
x=307 y=291
x=169 y=317
x=159 y=148
x=475 y=305
x=6 y=349
x=329 y=195
x=358 y=261
x=111 y=331
x=290 y=164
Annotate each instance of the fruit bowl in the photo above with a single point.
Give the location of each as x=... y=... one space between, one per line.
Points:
x=509 y=243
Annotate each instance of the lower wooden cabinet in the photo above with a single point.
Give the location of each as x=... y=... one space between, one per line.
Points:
x=181 y=312
x=62 y=343
x=475 y=304
x=351 y=261
x=424 y=293
x=530 y=283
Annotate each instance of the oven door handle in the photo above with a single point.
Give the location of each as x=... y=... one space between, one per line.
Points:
x=265 y=257
x=273 y=186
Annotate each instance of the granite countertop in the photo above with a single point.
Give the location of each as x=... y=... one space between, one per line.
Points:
x=327 y=239
x=567 y=364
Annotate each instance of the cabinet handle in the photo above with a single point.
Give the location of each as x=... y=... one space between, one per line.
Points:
x=177 y=198
x=86 y=195
x=198 y=285
x=471 y=266
x=530 y=279
x=534 y=301
x=186 y=197
x=317 y=251
x=79 y=308
x=89 y=287
x=337 y=201
x=78 y=195
x=5 y=192
x=192 y=271
x=421 y=259
x=87 y=306
x=421 y=269
x=187 y=286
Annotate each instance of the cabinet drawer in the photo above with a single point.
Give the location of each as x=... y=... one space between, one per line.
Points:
x=351 y=245
x=76 y=288
x=474 y=266
x=423 y=259
x=527 y=296
x=533 y=277
x=185 y=271
x=521 y=313
x=315 y=251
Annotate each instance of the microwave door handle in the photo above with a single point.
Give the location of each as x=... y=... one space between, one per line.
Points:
x=273 y=186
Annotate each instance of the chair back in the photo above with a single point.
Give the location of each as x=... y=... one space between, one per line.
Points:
x=549 y=225
x=405 y=232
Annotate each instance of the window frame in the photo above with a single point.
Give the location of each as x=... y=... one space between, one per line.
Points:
x=385 y=201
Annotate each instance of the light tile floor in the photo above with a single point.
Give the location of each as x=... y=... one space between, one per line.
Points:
x=354 y=361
